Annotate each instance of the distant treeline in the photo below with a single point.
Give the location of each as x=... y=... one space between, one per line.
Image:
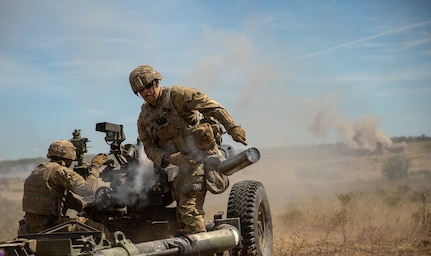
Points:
x=11 y=167
x=423 y=137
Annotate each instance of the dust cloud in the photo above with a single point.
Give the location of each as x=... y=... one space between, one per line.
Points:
x=362 y=133
x=290 y=112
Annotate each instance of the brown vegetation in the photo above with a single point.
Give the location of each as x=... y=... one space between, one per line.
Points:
x=326 y=200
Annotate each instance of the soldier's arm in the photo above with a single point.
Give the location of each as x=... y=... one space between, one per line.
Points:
x=69 y=179
x=188 y=99
x=153 y=152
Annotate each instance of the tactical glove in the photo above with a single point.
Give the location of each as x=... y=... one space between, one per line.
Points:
x=179 y=159
x=99 y=160
x=238 y=134
x=204 y=136
x=72 y=202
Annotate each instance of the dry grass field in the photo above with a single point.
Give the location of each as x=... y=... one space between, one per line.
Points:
x=325 y=200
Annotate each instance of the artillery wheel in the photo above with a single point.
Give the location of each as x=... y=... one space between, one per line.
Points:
x=249 y=202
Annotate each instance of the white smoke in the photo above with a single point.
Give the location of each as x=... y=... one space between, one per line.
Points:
x=137 y=181
x=145 y=175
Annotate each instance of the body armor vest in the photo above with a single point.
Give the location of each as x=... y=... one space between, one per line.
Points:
x=39 y=197
x=167 y=127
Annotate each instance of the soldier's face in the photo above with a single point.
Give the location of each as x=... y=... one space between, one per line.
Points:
x=68 y=162
x=151 y=94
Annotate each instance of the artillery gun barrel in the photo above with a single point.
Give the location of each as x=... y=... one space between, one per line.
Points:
x=240 y=161
x=217 y=241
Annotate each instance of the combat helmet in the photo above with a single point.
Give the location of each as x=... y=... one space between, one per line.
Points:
x=142 y=76
x=62 y=149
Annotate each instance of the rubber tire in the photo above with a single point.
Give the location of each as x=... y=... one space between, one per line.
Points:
x=249 y=202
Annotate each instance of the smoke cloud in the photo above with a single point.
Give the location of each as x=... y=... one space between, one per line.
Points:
x=130 y=189
x=363 y=133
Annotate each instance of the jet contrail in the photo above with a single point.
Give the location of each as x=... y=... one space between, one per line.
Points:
x=393 y=31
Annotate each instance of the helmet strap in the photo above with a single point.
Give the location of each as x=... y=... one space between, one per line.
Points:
x=140 y=81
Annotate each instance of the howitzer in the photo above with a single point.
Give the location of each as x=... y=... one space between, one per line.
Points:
x=149 y=207
x=137 y=208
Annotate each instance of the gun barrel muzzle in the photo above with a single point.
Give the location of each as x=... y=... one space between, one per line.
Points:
x=240 y=161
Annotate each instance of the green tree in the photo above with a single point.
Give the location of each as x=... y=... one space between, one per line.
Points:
x=396 y=167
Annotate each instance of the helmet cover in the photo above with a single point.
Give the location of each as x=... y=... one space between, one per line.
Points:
x=62 y=149
x=142 y=76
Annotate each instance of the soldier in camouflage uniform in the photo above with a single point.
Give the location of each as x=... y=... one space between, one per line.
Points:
x=180 y=127
x=47 y=190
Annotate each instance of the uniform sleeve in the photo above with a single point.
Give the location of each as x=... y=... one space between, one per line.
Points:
x=186 y=100
x=69 y=179
x=153 y=152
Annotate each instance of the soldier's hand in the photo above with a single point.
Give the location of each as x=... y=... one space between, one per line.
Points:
x=87 y=206
x=180 y=159
x=99 y=159
x=238 y=134
x=72 y=202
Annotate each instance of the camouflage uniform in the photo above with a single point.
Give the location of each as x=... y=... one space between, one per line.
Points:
x=177 y=124
x=48 y=194
x=46 y=190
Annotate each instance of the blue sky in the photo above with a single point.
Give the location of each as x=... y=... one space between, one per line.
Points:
x=290 y=72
